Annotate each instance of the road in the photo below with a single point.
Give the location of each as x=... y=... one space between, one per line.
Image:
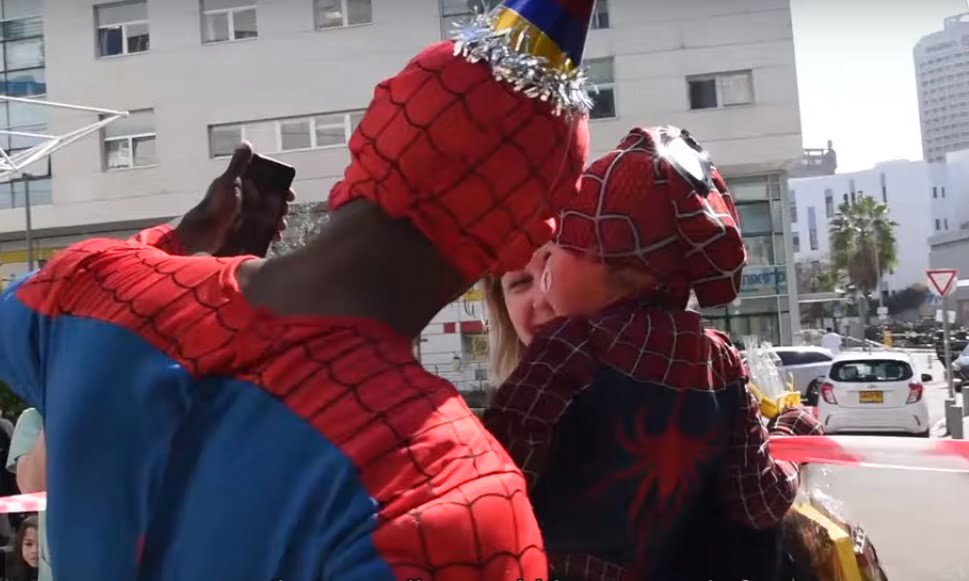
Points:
x=918 y=521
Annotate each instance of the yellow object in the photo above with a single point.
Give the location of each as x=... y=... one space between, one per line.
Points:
x=887 y=338
x=839 y=540
x=533 y=39
x=771 y=408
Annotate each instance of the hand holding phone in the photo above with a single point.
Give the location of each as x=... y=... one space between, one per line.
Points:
x=265 y=192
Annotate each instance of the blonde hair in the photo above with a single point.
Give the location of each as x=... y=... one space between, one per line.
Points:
x=504 y=346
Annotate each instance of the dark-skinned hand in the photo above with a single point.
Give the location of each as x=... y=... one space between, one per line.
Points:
x=207 y=227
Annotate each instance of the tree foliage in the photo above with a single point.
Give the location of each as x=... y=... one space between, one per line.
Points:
x=863 y=243
x=304 y=222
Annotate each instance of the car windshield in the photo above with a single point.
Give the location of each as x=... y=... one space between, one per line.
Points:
x=871 y=371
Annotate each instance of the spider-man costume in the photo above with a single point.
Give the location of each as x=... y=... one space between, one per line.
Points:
x=629 y=421
x=194 y=437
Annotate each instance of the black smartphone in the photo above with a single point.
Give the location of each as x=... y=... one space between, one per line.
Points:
x=261 y=214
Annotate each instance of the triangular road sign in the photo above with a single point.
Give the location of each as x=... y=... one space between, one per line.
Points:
x=942 y=280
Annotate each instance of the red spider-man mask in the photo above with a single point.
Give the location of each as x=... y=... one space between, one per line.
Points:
x=476 y=165
x=658 y=203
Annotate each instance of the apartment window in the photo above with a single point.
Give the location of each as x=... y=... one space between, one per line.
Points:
x=846 y=198
x=600 y=17
x=813 y=238
x=122 y=28
x=793 y=201
x=224 y=20
x=342 y=13
x=755 y=218
x=22 y=58
x=796 y=242
x=13 y=194
x=935 y=194
x=945 y=223
x=942 y=191
x=721 y=90
x=884 y=183
x=129 y=142
x=13 y=9
x=602 y=75
x=290 y=134
x=938 y=224
x=760 y=250
x=828 y=203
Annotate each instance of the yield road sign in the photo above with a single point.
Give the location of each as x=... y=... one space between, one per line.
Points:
x=942 y=280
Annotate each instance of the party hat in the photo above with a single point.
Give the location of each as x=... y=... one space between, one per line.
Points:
x=535 y=45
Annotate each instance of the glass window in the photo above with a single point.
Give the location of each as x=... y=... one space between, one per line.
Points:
x=602 y=75
x=122 y=28
x=703 y=94
x=340 y=13
x=27 y=83
x=748 y=189
x=244 y=24
x=795 y=242
x=22 y=8
x=24 y=54
x=215 y=27
x=224 y=20
x=721 y=90
x=760 y=250
x=295 y=134
x=26 y=114
x=25 y=28
x=755 y=218
x=224 y=139
x=355 y=119
x=263 y=135
x=600 y=18
x=736 y=89
x=143 y=149
x=873 y=371
x=117 y=153
x=331 y=131
x=121 y=13
x=130 y=142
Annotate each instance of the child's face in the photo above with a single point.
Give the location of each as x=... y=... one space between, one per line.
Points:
x=575 y=283
x=29 y=547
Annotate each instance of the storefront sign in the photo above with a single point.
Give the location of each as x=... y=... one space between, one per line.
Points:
x=764 y=281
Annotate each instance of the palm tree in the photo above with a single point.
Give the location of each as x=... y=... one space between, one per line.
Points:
x=863 y=244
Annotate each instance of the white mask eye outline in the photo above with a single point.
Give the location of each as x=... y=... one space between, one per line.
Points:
x=546 y=282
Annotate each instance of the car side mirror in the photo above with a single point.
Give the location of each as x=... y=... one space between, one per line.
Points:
x=926 y=378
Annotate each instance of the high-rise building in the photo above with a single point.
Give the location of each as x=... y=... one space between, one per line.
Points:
x=942 y=78
x=293 y=76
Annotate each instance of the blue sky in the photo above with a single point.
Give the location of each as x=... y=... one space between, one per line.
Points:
x=856 y=76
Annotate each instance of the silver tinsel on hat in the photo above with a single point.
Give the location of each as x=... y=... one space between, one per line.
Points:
x=477 y=41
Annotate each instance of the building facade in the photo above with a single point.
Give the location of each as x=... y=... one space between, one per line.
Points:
x=942 y=78
x=293 y=76
x=919 y=200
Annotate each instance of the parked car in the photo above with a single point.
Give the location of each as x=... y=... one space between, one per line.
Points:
x=960 y=368
x=807 y=365
x=874 y=392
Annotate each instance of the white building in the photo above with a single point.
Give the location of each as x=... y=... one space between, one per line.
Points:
x=942 y=78
x=293 y=75
x=918 y=199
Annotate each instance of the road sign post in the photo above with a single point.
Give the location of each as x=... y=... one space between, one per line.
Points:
x=943 y=281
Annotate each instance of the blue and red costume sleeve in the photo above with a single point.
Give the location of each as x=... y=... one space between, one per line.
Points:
x=23 y=344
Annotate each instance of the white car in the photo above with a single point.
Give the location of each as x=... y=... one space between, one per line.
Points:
x=874 y=392
x=805 y=364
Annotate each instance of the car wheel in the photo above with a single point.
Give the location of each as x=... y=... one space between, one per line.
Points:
x=812 y=394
